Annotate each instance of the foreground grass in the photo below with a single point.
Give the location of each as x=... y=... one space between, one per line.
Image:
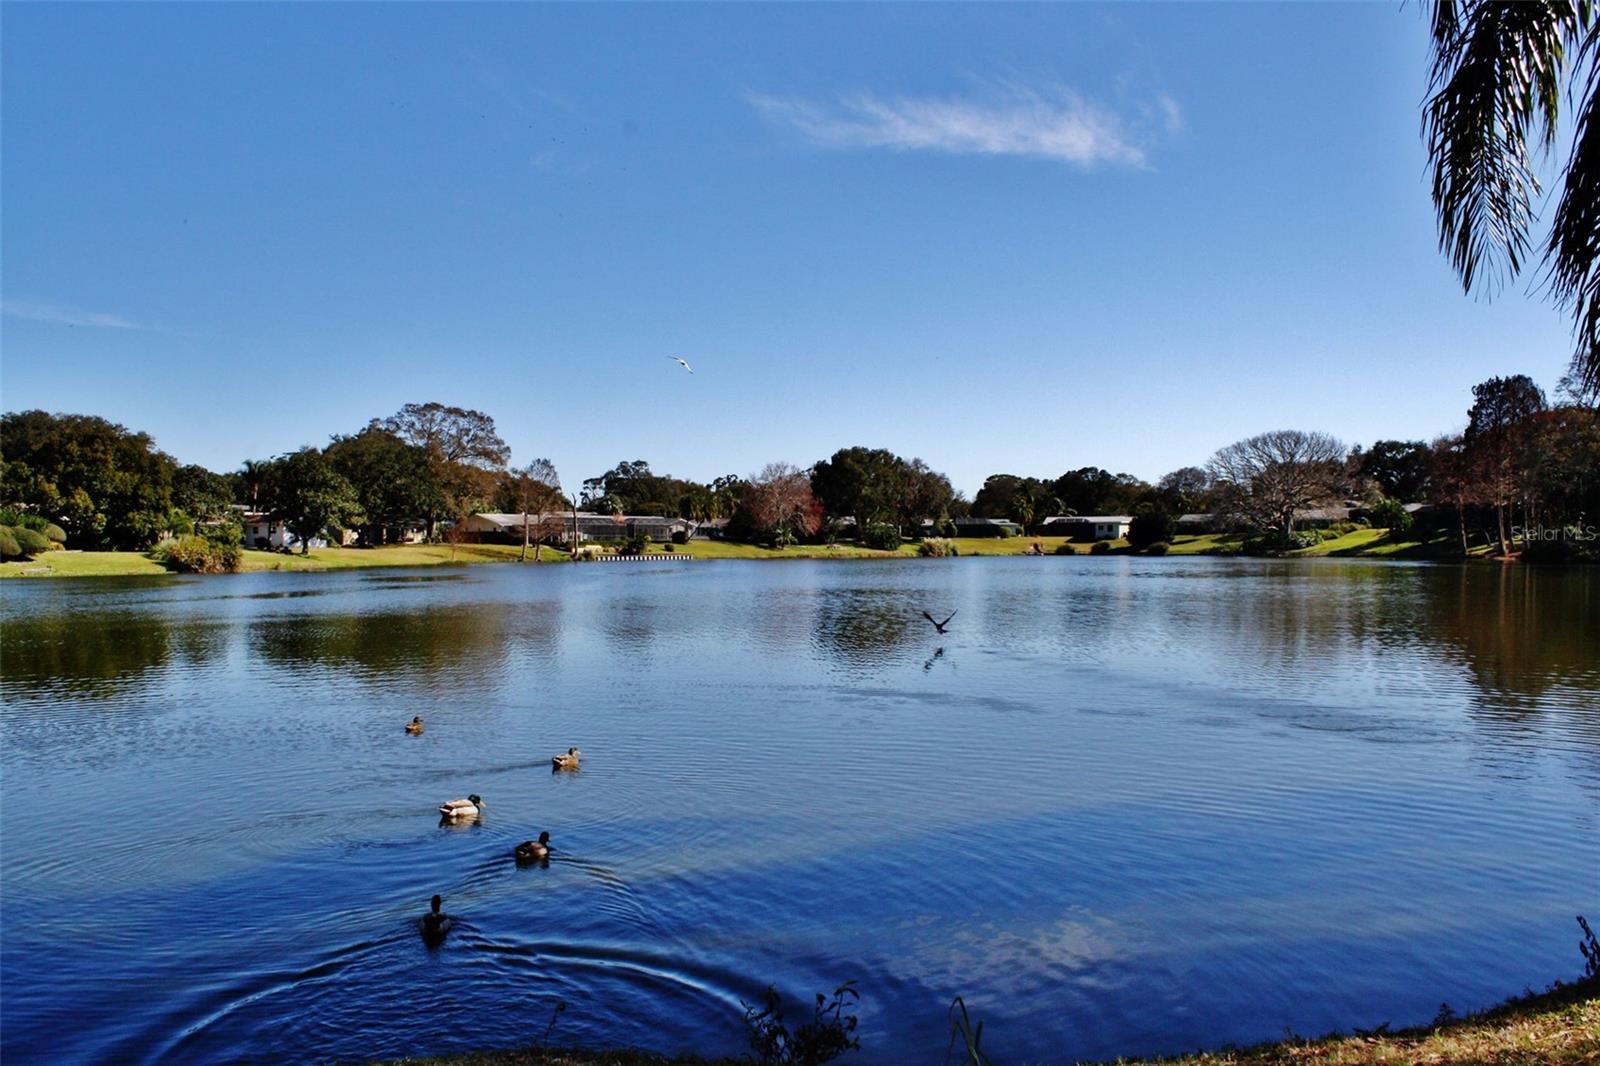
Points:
x=1556 y=1028
x=1559 y=1027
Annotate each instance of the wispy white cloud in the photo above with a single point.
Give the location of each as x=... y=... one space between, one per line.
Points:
x=1008 y=119
x=65 y=316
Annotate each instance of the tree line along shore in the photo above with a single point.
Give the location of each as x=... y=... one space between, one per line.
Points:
x=1518 y=482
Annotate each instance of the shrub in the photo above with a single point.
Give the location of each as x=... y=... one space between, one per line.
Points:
x=9 y=548
x=1160 y=547
x=30 y=541
x=1304 y=538
x=936 y=548
x=634 y=544
x=1065 y=549
x=1006 y=532
x=1391 y=515
x=881 y=535
x=1100 y=547
x=1327 y=534
x=37 y=522
x=1150 y=525
x=680 y=536
x=193 y=554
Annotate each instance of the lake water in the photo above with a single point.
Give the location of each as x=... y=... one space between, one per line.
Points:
x=1123 y=806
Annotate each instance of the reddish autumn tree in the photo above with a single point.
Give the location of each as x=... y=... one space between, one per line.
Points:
x=778 y=504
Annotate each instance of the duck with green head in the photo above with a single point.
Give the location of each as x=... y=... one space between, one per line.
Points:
x=470 y=807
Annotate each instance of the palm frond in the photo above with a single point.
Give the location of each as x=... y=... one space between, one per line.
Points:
x=1497 y=74
x=1573 y=248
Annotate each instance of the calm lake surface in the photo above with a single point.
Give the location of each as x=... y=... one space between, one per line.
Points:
x=1124 y=806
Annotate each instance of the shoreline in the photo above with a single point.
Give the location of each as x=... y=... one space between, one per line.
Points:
x=1560 y=1027
x=1372 y=544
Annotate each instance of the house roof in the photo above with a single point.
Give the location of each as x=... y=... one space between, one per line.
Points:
x=1096 y=518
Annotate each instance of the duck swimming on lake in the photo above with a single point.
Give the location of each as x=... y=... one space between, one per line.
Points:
x=569 y=761
x=414 y=726
x=470 y=807
x=436 y=924
x=534 y=850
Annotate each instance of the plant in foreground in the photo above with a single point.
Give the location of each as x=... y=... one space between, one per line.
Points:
x=971 y=1035
x=829 y=1033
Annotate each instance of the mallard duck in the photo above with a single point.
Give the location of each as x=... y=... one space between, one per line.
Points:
x=415 y=725
x=436 y=924
x=569 y=761
x=470 y=807
x=534 y=850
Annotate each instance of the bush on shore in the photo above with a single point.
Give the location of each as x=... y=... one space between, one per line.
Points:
x=937 y=548
x=881 y=535
x=193 y=554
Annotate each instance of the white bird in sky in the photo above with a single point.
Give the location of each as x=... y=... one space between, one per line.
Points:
x=681 y=363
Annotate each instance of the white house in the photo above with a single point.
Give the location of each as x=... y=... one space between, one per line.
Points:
x=1090 y=526
x=260 y=531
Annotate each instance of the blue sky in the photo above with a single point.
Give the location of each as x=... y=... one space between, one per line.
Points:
x=1003 y=239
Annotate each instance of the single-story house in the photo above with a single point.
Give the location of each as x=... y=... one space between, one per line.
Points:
x=1090 y=526
x=557 y=526
x=1199 y=522
x=1320 y=517
x=986 y=527
x=711 y=528
x=262 y=531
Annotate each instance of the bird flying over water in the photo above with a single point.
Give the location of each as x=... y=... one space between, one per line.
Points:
x=938 y=625
x=681 y=363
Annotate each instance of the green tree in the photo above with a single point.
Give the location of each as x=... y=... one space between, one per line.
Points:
x=1152 y=524
x=394 y=481
x=867 y=484
x=1399 y=467
x=464 y=451
x=106 y=486
x=201 y=494
x=308 y=495
x=1498 y=430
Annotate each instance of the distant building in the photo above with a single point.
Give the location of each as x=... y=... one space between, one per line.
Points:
x=557 y=526
x=1090 y=526
x=986 y=527
x=262 y=531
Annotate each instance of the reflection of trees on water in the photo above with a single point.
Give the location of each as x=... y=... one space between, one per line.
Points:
x=436 y=645
x=1522 y=632
x=856 y=628
x=98 y=657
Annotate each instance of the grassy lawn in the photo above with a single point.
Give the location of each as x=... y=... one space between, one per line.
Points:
x=393 y=555
x=84 y=564
x=134 y=564
x=1204 y=543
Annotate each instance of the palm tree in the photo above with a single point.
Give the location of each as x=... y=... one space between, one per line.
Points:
x=251 y=474
x=1501 y=69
